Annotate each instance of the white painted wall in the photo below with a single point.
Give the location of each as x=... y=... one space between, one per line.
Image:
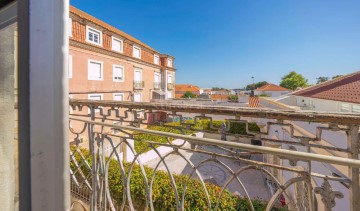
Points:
x=271 y=93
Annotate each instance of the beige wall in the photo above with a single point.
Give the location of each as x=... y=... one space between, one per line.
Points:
x=80 y=83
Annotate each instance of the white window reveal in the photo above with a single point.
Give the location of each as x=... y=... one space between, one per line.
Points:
x=119 y=96
x=169 y=95
x=356 y=109
x=118 y=73
x=345 y=107
x=136 y=52
x=95 y=70
x=70 y=68
x=169 y=62
x=156 y=59
x=95 y=97
x=117 y=44
x=70 y=27
x=137 y=97
x=157 y=78
x=169 y=78
x=93 y=36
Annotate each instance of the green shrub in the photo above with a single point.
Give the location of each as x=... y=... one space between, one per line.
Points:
x=163 y=193
x=141 y=147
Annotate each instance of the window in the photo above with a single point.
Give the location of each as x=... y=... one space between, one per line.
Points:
x=137 y=97
x=356 y=109
x=70 y=27
x=119 y=96
x=136 y=52
x=95 y=97
x=95 y=70
x=117 y=44
x=156 y=59
x=169 y=62
x=169 y=95
x=70 y=66
x=118 y=73
x=93 y=36
x=345 y=107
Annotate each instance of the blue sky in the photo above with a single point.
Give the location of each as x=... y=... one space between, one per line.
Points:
x=225 y=42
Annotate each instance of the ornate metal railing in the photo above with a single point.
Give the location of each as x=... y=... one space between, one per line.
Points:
x=139 y=84
x=170 y=86
x=291 y=160
x=157 y=85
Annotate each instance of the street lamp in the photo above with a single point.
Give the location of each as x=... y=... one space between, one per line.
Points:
x=252 y=94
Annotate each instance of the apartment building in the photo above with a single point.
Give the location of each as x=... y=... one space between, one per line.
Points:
x=217 y=94
x=108 y=64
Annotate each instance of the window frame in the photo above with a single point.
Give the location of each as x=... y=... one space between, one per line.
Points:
x=158 y=59
x=70 y=66
x=101 y=70
x=87 y=35
x=123 y=73
x=140 y=97
x=138 y=47
x=102 y=98
x=121 y=44
x=70 y=27
x=122 y=94
x=171 y=62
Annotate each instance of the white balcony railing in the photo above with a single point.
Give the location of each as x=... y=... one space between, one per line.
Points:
x=187 y=166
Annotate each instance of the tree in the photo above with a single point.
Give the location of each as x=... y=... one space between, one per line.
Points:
x=336 y=76
x=216 y=88
x=188 y=95
x=257 y=85
x=233 y=98
x=293 y=80
x=321 y=79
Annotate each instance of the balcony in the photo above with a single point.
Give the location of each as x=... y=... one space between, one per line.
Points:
x=184 y=157
x=139 y=85
x=170 y=86
x=157 y=85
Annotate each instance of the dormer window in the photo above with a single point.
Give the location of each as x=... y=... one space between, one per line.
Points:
x=93 y=36
x=169 y=62
x=136 y=52
x=156 y=59
x=117 y=44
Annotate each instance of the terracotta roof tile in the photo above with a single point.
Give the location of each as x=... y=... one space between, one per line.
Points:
x=88 y=17
x=186 y=88
x=272 y=87
x=344 y=89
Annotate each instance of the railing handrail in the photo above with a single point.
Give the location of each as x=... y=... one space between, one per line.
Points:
x=261 y=149
x=307 y=116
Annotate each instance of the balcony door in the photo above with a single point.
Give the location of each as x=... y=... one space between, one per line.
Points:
x=137 y=75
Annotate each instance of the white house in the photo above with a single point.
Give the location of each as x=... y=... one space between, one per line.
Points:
x=271 y=90
x=338 y=95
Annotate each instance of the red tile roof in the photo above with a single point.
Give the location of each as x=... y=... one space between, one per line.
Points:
x=272 y=87
x=88 y=17
x=344 y=89
x=186 y=88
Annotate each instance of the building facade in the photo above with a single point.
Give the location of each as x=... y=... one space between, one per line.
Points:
x=108 y=64
x=271 y=90
x=339 y=95
x=217 y=94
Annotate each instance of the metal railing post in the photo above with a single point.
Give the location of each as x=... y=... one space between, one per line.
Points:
x=353 y=146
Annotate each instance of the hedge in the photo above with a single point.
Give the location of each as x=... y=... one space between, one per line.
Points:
x=163 y=193
x=175 y=127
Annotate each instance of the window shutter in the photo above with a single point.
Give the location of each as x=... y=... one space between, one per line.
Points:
x=118 y=73
x=94 y=70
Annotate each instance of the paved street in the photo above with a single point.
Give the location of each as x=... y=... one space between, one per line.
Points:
x=215 y=173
